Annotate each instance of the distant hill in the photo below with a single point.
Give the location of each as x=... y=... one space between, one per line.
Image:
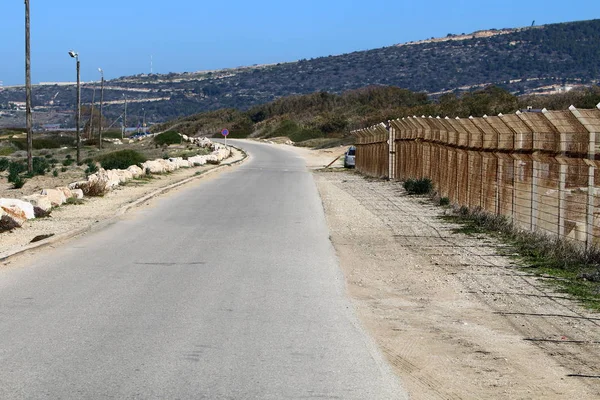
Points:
x=522 y=61
x=322 y=118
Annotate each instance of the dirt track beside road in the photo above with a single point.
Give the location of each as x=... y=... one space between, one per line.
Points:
x=454 y=318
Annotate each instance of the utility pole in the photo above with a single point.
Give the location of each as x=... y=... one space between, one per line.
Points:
x=78 y=112
x=28 y=115
x=101 y=104
x=124 y=118
x=75 y=55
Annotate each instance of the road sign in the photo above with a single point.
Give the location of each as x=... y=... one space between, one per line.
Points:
x=225 y=132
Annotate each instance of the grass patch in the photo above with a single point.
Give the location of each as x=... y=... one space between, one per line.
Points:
x=44 y=143
x=576 y=269
x=6 y=151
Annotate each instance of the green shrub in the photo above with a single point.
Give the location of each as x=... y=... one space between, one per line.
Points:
x=444 y=201
x=67 y=162
x=63 y=169
x=168 y=138
x=285 y=128
x=4 y=164
x=18 y=182
x=418 y=186
x=121 y=159
x=55 y=173
x=14 y=170
x=40 y=165
x=92 y=168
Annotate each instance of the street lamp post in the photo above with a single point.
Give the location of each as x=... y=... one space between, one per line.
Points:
x=101 y=104
x=75 y=55
x=91 y=135
x=28 y=115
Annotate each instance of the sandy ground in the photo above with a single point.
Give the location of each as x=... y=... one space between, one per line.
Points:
x=455 y=319
x=94 y=210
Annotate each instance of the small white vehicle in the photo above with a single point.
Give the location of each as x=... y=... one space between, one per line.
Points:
x=349 y=161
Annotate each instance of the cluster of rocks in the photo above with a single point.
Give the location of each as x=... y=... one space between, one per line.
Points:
x=14 y=212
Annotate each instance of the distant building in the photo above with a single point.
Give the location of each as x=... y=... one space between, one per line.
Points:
x=51 y=127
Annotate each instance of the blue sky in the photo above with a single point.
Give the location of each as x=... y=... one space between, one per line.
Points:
x=192 y=35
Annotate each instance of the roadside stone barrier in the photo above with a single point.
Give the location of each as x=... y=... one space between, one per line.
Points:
x=13 y=212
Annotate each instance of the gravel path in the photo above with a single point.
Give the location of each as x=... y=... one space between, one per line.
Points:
x=456 y=319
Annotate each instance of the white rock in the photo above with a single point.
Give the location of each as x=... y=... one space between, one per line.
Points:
x=66 y=191
x=112 y=177
x=136 y=171
x=169 y=166
x=197 y=160
x=40 y=201
x=181 y=163
x=77 y=185
x=204 y=142
x=212 y=158
x=56 y=197
x=19 y=207
x=154 y=167
x=77 y=193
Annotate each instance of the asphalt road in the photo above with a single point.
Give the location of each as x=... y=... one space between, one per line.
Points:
x=227 y=289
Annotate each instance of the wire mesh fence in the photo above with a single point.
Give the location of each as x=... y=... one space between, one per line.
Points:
x=537 y=168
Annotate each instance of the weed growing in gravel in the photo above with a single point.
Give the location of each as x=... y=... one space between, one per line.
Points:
x=74 y=201
x=418 y=186
x=576 y=269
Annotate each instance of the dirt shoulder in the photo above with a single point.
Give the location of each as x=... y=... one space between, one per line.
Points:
x=455 y=319
x=95 y=210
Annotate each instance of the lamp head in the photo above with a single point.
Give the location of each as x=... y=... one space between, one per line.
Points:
x=73 y=54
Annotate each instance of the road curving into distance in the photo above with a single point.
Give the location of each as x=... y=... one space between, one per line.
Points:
x=227 y=289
